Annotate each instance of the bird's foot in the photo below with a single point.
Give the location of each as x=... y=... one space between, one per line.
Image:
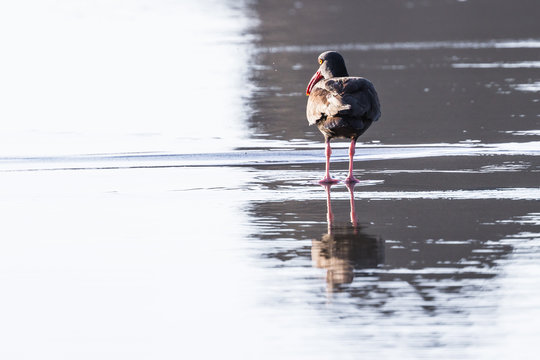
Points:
x=351 y=180
x=328 y=181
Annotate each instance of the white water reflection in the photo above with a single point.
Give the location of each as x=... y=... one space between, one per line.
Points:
x=533 y=87
x=524 y=132
x=421 y=45
x=284 y=153
x=518 y=287
x=94 y=265
x=507 y=193
x=499 y=65
x=97 y=264
x=84 y=76
x=313 y=193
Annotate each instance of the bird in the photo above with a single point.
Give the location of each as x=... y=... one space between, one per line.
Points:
x=341 y=106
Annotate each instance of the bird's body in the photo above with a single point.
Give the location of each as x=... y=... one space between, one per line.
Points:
x=341 y=106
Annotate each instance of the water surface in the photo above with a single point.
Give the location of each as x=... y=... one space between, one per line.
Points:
x=159 y=190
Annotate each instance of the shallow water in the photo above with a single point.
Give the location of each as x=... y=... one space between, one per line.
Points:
x=154 y=211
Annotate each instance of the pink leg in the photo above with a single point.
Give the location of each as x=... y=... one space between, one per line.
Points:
x=329 y=213
x=354 y=219
x=352 y=149
x=327 y=179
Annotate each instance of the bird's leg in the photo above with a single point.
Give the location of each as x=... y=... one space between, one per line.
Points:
x=328 y=151
x=352 y=148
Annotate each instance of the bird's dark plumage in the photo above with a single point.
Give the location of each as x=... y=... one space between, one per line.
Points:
x=340 y=105
x=343 y=106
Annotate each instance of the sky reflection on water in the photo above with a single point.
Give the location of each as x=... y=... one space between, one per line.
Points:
x=101 y=77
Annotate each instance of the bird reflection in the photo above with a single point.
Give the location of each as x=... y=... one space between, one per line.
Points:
x=344 y=247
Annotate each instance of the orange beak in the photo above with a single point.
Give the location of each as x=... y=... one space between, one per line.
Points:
x=315 y=79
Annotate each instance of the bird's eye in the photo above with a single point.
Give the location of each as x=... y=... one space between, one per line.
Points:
x=320 y=61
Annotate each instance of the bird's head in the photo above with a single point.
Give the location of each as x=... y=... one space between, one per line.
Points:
x=331 y=64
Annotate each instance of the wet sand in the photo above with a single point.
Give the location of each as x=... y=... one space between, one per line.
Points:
x=165 y=243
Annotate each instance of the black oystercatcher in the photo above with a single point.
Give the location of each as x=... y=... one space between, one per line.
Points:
x=340 y=105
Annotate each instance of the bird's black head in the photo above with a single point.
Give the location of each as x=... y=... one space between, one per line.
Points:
x=332 y=65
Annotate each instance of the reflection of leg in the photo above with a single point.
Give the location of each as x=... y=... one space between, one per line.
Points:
x=328 y=151
x=329 y=213
x=354 y=219
x=352 y=150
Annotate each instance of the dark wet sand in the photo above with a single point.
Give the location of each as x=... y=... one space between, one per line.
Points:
x=425 y=99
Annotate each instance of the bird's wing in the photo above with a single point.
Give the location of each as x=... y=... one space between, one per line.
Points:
x=318 y=105
x=348 y=96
